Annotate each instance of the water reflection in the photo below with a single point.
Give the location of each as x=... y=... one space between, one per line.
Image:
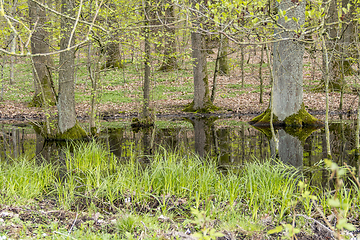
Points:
x=230 y=141
x=290 y=150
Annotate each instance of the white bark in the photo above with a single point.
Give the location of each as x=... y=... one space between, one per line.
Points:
x=288 y=61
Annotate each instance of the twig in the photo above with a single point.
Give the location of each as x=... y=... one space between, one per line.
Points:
x=66 y=235
x=316 y=221
x=72 y=226
x=146 y=229
x=352 y=174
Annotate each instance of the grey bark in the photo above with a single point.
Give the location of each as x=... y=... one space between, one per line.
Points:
x=146 y=86
x=12 y=45
x=223 y=61
x=169 y=61
x=201 y=84
x=113 y=56
x=288 y=62
x=66 y=100
x=202 y=130
x=290 y=149
x=44 y=89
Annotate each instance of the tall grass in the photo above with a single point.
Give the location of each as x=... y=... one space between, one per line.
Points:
x=90 y=175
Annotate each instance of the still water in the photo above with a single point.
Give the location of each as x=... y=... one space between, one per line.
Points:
x=231 y=141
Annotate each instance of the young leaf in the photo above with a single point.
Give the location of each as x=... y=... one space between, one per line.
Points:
x=275 y=230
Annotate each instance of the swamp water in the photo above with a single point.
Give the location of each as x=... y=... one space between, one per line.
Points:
x=230 y=141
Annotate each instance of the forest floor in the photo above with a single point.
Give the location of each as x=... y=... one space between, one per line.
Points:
x=120 y=94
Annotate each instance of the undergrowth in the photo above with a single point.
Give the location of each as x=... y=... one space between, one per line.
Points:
x=135 y=198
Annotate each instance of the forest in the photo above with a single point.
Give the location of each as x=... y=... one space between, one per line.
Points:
x=284 y=72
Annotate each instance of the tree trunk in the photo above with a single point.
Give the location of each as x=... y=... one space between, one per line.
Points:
x=12 y=45
x=44 y=89
x=68 y=128
x=113 y=56
x=146 y=86
x=290 y=149
x=287 y=104
x=169 y=62
x=201 y=102
x=223 y=61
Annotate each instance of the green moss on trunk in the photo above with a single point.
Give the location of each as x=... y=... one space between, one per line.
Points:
x=299 y=119
x=208 y=108
x=73 y=133
x=76 y=132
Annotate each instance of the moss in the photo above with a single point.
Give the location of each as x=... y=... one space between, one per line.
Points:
x=142 y=123
x=209 y=107
x=264 y=119
x=113 y=64
x=73 y=133
x=301 y=133
x=38 y=101
x=94 y=131
x=300 y=119
x=76 y=132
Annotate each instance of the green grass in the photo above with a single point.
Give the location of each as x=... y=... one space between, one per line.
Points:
x=90 y=178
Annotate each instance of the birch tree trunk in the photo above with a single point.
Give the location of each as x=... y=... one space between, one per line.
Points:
x=44 y=89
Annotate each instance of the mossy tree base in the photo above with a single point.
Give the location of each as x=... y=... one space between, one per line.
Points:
x=168 y=67
x=209 y=107
x=37 y=101
x=74 y=133
x=142 y=123
x=300 y=119
x=114 y=64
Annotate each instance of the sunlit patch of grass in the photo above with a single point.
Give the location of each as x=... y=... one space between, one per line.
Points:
x=89 y=177
x=238 y=86
x=23 y=180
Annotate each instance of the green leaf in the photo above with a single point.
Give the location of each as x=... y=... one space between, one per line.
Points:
x=334 y=202
x=344 y=224
x=275 y=230
x=341 y=172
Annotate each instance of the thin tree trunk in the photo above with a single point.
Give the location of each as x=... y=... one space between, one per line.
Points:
x=2 y=79
x=215 y=75
x=260 y=74
x=327 y=132
x=12 y=58
x=223 y=61
x=242 y=66
x=12 y=46
x=146 y=112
